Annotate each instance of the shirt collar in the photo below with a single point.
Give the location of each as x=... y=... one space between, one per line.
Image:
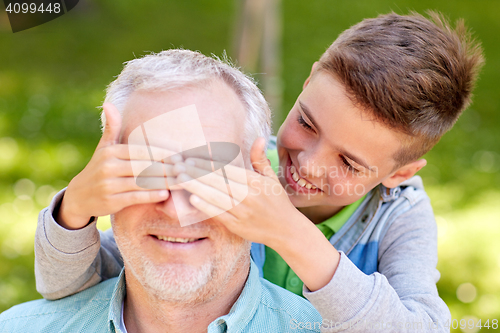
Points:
x=336 y=221
x=389 y=194
x=236 y=320
x=245 y=307
x=115 y=308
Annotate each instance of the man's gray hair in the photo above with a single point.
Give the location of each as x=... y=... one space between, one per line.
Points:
x=179 y=68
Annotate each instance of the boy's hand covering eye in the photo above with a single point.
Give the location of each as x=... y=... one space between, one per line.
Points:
x=107 y=184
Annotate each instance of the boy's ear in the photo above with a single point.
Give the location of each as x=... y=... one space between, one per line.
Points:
x=310 y=75
x=403 y=173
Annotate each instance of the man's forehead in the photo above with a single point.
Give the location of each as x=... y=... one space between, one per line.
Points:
x=181 y=112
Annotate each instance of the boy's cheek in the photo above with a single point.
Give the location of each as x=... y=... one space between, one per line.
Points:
x=290 y=135
x=347 y=192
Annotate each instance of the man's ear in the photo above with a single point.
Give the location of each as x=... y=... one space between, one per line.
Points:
x=310 y=75
x=403 y=173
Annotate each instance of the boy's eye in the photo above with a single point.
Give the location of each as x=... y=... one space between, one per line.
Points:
x=304 y=124
x=348 y=165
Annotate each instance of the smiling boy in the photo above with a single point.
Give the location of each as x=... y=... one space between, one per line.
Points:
x=378 y=99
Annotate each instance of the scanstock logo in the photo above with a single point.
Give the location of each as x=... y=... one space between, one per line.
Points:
x=181 y=132
x=25 y=14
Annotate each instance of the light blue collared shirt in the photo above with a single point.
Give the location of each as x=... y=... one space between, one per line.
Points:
x=261 y=308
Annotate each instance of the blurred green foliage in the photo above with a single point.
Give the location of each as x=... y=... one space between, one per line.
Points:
x=53 y=77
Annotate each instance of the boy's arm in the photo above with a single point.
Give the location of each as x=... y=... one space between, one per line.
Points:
x=403 y=293
x=68 y=261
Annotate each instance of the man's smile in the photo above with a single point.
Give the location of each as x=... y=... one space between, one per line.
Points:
x=175 y=246
x=177 y=239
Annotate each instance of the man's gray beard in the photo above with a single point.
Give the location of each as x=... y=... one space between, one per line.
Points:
x=175 y=282
x=181 y=283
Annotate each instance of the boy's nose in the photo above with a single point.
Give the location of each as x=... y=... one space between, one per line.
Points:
x=310 y=166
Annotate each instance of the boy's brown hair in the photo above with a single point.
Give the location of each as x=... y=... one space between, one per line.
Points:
x=414 y=74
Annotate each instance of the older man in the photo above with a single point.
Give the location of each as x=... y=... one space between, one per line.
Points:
x=196 y=278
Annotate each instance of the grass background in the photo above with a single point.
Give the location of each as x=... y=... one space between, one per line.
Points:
x=53 y=76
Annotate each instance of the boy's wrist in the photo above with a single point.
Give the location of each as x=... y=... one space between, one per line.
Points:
x=308 y=253
x=285 y=242
x=67 y=220
x=68 y=241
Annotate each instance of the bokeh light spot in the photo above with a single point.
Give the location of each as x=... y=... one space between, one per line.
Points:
x=68 y=155
x=8 y=148
x=466 y=292
x=44 y=195
x=486 y=161
x=24 y=187
x=23 y=205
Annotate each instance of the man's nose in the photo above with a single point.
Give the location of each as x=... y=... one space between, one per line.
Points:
x=311 y=164
x=177 y=205
x=167 y=207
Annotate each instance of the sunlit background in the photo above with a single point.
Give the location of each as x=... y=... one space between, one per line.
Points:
x=53 y=77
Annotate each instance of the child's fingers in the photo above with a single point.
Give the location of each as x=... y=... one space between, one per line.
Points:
x=112 y=168
x=191 y=171
x=139 y=197
x=147 y=153
x=112 y=129
x=227 y=218
x=145 y=169
x=215 y=212
x=154 y=183
x=130 y=184
x=260 y=162
x=231 y=172
x=237 y=190
x=204 y=206
x=207 y=165
x=217 y=197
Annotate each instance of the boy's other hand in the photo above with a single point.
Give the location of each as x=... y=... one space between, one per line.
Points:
x=266 y=215
x=107 y=184
x=262 y=212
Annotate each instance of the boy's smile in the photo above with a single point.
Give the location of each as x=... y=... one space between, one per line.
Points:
x=331 y=151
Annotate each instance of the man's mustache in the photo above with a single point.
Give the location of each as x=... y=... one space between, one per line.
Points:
x=165 y=224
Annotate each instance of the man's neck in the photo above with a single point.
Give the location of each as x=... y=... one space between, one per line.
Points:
x=144 y=312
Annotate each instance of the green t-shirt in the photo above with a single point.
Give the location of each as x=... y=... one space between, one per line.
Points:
x=276 y=270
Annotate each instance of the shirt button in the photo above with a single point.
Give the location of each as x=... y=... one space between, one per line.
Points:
x=294 y=282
